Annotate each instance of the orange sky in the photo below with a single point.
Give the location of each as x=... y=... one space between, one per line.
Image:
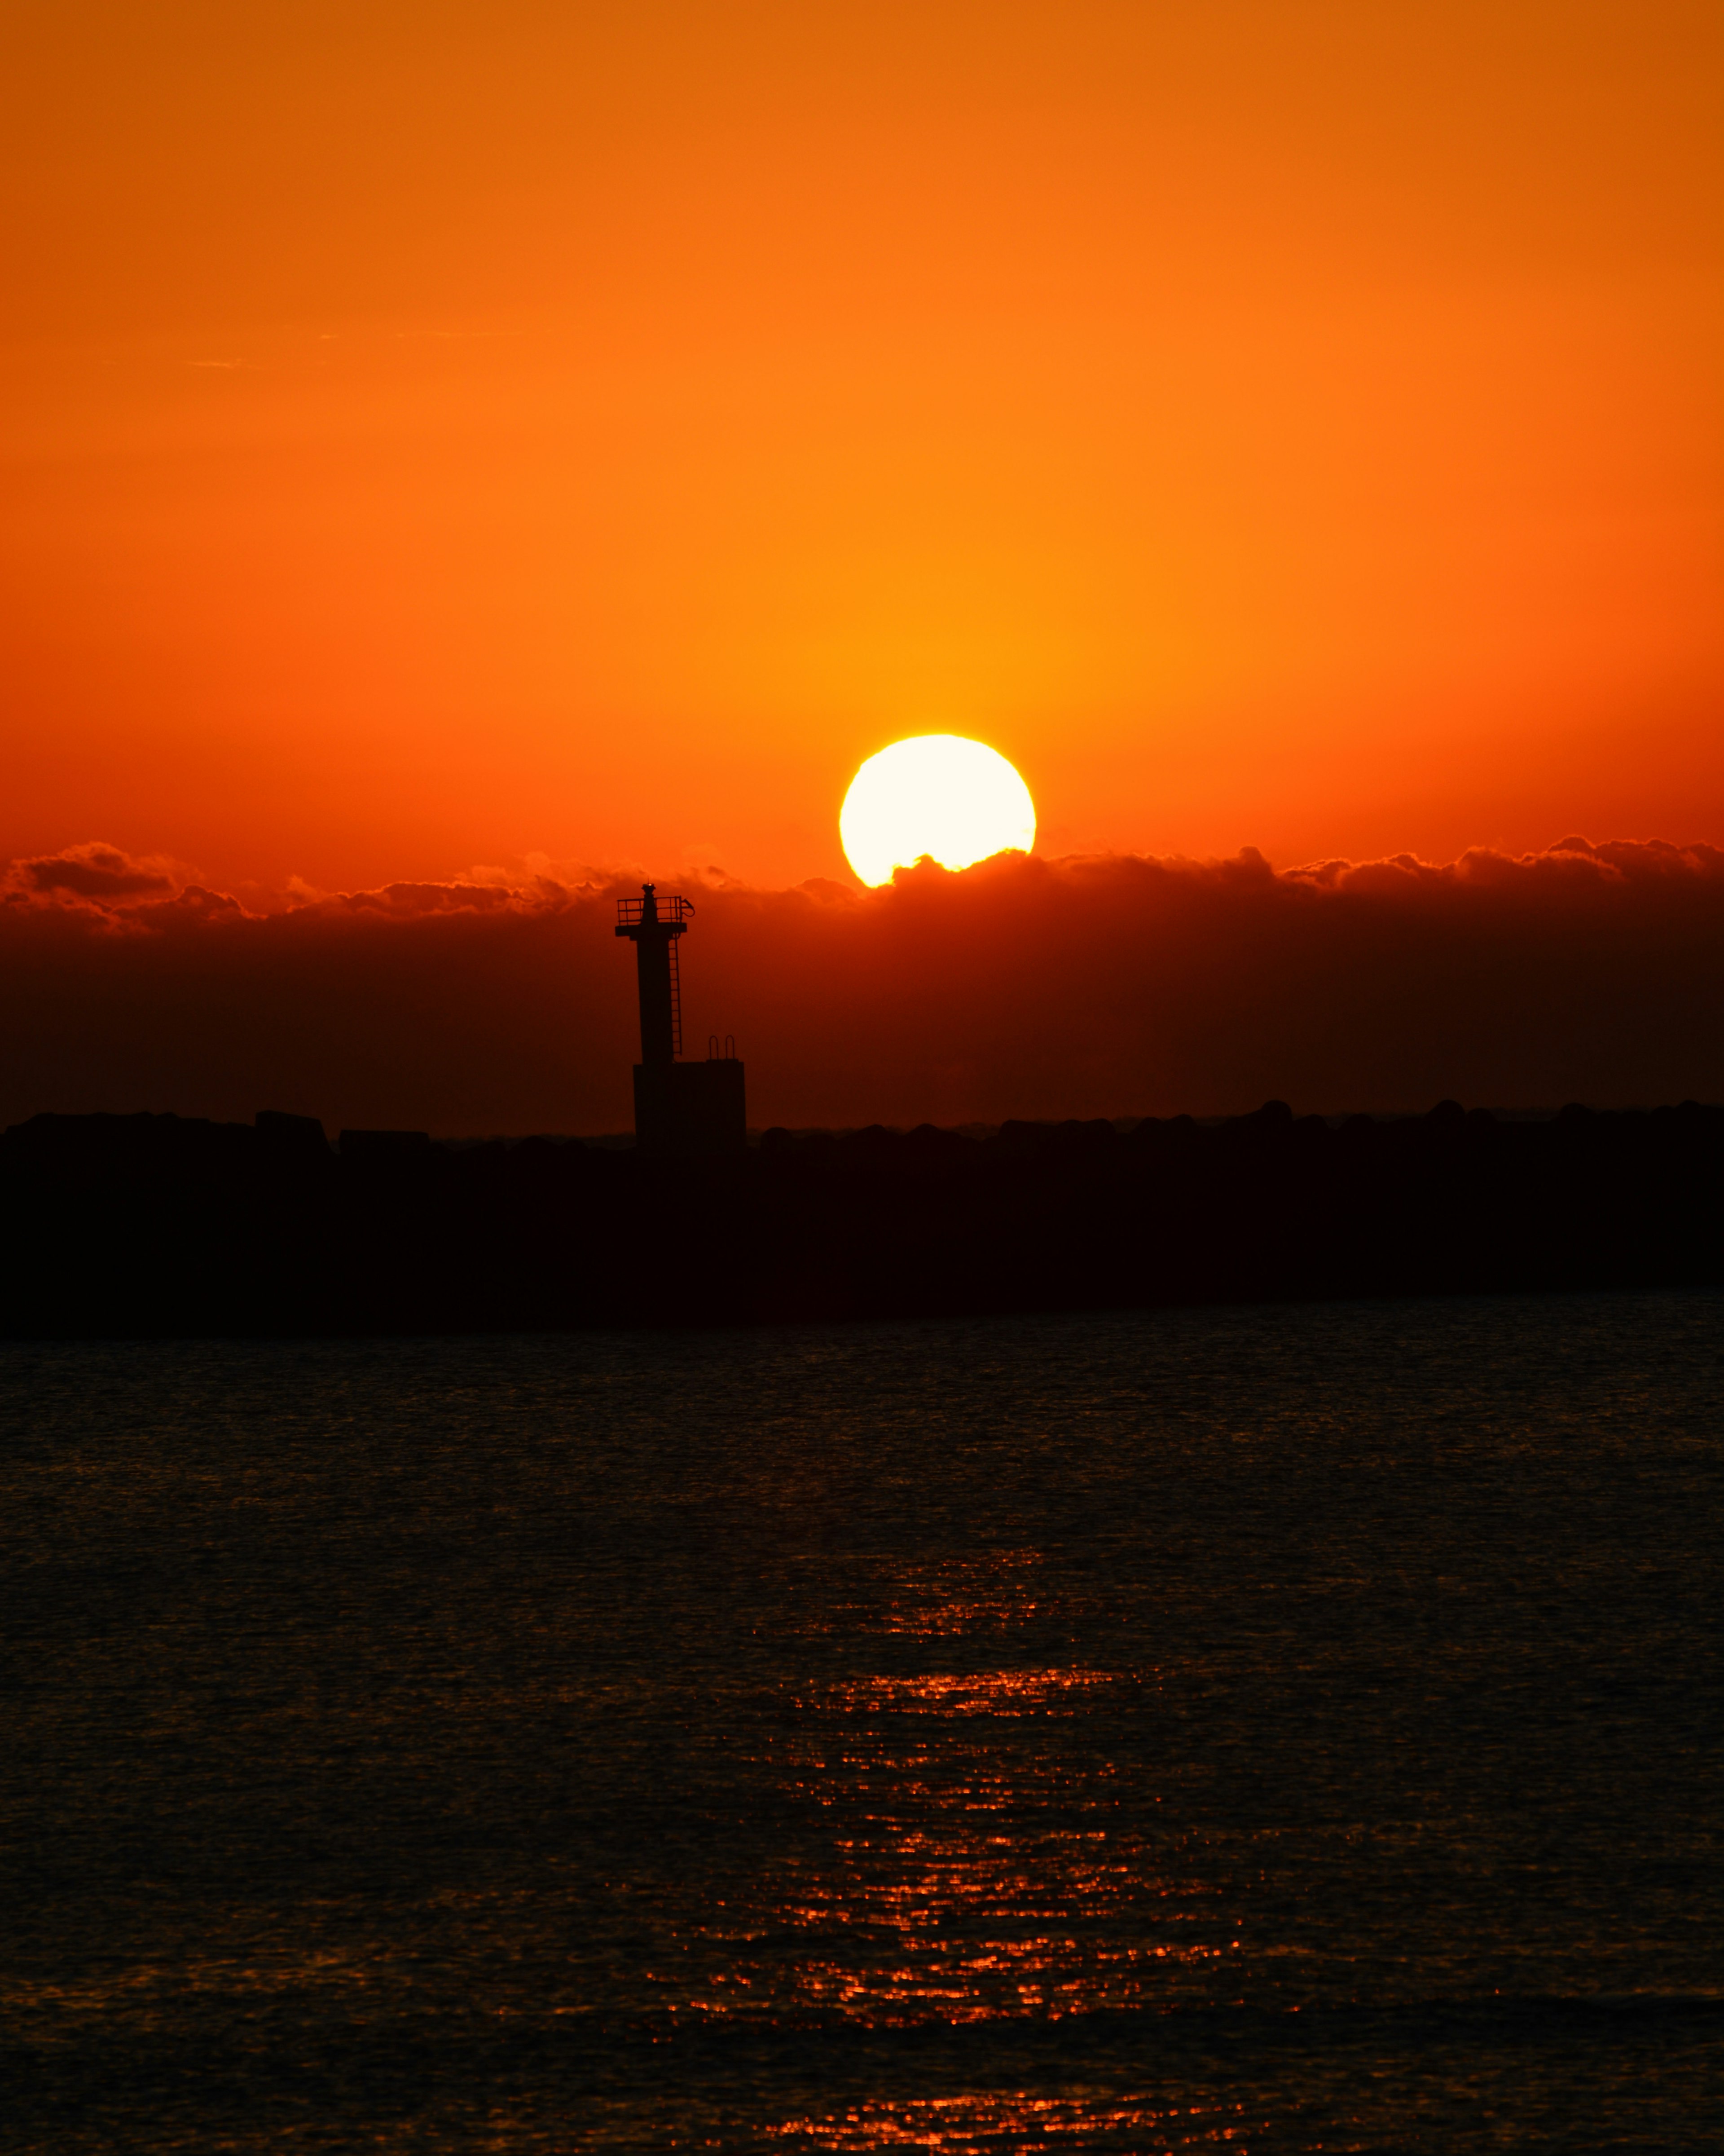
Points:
x=437 y=436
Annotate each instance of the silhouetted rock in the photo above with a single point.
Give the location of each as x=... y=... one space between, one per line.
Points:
x=295 y=1138
x=391 y=1146
x=126 y=1147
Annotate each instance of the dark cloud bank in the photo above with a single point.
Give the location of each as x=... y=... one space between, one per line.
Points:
x=1098 y=987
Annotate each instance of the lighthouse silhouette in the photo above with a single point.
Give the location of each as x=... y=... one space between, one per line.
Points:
x=685 y=1110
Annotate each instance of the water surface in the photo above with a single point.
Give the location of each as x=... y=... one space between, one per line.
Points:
x=1275 y=1728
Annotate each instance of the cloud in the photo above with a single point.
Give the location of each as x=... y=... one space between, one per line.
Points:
x=412 y=901
x=1111 y=985
x=95 y=872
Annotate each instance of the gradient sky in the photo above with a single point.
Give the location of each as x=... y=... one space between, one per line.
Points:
x=438 y=435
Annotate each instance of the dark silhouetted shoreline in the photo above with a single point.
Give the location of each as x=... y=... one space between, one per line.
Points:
x=162 y=1225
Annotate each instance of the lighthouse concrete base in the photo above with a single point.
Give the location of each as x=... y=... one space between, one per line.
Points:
x=690 y=1111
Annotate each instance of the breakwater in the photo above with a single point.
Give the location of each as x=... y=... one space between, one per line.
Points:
x=162 y=1225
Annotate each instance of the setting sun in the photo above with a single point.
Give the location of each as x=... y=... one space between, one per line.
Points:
x=958 y=801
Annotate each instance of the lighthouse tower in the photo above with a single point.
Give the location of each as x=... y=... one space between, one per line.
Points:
x=685 y=1110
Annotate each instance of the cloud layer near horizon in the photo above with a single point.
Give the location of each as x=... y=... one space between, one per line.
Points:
x=1114 y=985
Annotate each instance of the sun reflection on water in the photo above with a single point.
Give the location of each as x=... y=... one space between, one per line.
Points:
x=995 y=1692
x=952 y=1598
x=979 y=1856
x=990 y=2121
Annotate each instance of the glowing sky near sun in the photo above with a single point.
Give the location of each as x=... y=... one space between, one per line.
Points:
x=436 y=436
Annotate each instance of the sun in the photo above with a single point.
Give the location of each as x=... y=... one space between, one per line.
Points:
x=958 y=800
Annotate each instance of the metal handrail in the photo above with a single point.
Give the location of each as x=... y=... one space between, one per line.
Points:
x=631 y=911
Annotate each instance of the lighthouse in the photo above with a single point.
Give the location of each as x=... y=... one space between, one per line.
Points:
x=694 y=1111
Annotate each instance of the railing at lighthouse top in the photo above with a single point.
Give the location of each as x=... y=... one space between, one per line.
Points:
x=632 y=911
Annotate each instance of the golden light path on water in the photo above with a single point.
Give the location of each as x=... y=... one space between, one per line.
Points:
x=996 y=2120
x=978 y=1872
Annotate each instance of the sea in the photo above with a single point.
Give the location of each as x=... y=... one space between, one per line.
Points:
x=1279 y=1728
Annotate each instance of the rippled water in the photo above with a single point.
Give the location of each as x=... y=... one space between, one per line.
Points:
x=1275 y=1728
